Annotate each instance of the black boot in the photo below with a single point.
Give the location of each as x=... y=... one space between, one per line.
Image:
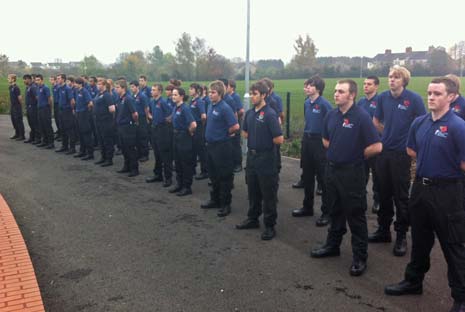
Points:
x=184 y=191
x=269 y=233
x=404 y=288
x=381 y=235
x=100 y=161
x=224 y=211
x=125 y=169
x=175 y=189
x=400 y=246
x=302 y=212
x=167 y=183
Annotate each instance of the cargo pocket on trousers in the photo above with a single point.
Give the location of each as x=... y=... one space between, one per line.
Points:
x=456 y=227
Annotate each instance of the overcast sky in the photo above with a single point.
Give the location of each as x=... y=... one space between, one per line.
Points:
x=45 y=30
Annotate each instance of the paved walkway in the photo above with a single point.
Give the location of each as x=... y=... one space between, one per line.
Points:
x=18 y=285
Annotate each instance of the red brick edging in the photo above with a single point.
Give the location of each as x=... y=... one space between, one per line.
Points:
x=19 y=290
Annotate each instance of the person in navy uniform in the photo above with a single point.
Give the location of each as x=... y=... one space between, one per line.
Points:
x=197 y=106
x=237 y=149
x=143 y=86
x=263 y=133
x=44 y=113
x=56 y=105
x=313 y=158
x=67 y=121
x=161 y=137
x=350 y=137
x=126 y=120
x=16 y=109
x=84 y=106
x=369 y=102
x=93 y=91
x=395 y=112
x=458 y=103
x=436 y=140
x=184 y=128
x=221 y=126
x=205 y=97
x=104 y=111
x=142 y=106
x=31 y=109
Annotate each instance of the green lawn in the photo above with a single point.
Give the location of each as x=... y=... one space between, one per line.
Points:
x=294 y=86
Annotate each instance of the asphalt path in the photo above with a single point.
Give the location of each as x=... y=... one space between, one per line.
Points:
x=101 y=241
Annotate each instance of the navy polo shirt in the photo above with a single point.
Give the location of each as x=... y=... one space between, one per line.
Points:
x=369 y=105
x=458 y=107
x=14 y=93
x=141 y=102
x=271 y=102
x=278 y=99
x=66 y=95
x=397 y=114
x=31 y=96
x=56 y=93
x=114 y=96
x=171 y=103
x=126 y=107
x=93 y=91
x=160 y=110
x=182 y=117
x=147 y=91
x=101 y=103
x=230 y=101
x=440 y=145
x=315 y=114
x=197 y=108
x=262 y=127
x=43 y=94
x=220 y=118
x=83 y=98
x=207 y=101
x=237 y=99
x=349 y=134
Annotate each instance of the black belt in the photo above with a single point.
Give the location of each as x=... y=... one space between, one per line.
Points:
x=437 y=181
x=256 y=152
x=344 y=165
x=312 y=136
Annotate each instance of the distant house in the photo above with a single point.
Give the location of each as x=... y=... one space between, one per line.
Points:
x=38 y=65
x=407 y=58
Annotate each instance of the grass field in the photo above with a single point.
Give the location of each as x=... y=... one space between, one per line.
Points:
x=294 y=86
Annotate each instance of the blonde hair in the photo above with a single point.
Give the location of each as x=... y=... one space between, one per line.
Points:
x=455 y=79
x=402 y=72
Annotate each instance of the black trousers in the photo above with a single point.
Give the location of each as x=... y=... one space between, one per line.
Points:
x=32 y=115
x=370 y=164
x=162 y=144
x=128 y=134
x=45 y=124
x=106 y=134
x=199 y=149
x=16 y=112
x=183 y=158
x=393 y=169
x=68 y=126
x=237 y=149
x=346 y=191
x=220 y=170
x=85 y=132
x=438 y=209
x=262 y=186
x=56 y=116
x=142 y=138
x=313 y=164
x=94 y=129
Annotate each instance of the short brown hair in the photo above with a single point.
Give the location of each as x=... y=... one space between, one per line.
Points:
x=219 y=87
x=352 y=86
x=122 y=83
x=451 y=85
x=455 y=79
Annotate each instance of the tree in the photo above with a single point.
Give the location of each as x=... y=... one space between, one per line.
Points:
x=91 y=65
x=304 y=61
x=185 y=57
x=439 y=61
x=130 y=65
x=213 y=66
x=4 y=68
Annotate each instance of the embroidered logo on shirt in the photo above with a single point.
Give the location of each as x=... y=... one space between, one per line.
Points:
x=404 y=106
x=442 y=132
x=457 y=109
x=373 y=104
x=316 y=109
x=261 y=116
x=347 y=124
x=178 y=111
